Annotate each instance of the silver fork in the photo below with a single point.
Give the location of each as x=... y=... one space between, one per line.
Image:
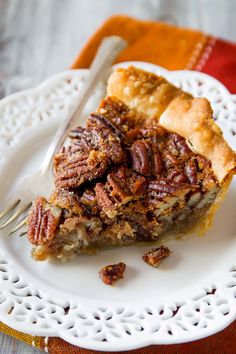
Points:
x=40 y=182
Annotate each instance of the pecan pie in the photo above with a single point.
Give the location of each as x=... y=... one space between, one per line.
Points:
x=150 y=161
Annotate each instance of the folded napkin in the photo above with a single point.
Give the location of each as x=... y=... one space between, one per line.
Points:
x=173 y=48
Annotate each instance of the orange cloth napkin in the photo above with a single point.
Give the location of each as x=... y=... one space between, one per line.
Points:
x=173 y=48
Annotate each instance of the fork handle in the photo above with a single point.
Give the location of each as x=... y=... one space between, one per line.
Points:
x=106 y=54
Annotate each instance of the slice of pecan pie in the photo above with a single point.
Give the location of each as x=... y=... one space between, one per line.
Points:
x=150 y=161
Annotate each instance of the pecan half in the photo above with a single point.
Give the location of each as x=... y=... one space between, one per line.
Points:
x=92 y=150
x=103 y=198
x=83 y=139
x=181 y=145
x=111 y=273
x=43 y=222
x=163 y=186
x=156 y=255
x=101 y=135
x=170 y=160
x=108 y=137
x=191 y=171
x=146 y=158
x=177 y=176
x=97 y=120
x=72 y=171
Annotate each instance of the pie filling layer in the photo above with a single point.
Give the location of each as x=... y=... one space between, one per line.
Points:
x=120 y=182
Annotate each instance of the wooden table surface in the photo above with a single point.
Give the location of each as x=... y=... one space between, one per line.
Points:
x=40 y=38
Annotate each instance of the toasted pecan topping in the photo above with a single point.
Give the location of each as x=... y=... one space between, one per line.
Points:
x=103 y=198
x=191 y=171
x=99 y=119
x=113 y=109
x=111 y=273
x=122 y=186
x=131 y=182
x=42 y=222
x=119 y=114
x=73 y=170
x=170 y=160
x=180 y=145
x=177 y=176
x=154 y=134
x=155 y=163
x=156 y=255
x=164 y=186
x=107 y=137
x=66 y=200
x=88 y=197
x=119 y=186
x=146 y=158
x=91 y=152
x=100 y=134
x=83 y=139
x=119 y=171
x=164 y=189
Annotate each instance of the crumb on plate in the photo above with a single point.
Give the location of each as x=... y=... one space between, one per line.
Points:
x=111 y=273
x=156 y=255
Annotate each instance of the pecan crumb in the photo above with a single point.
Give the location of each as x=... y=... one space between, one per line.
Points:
x=156 y=255
x=111 y=273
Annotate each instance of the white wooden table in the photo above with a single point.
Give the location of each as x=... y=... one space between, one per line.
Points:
x=40 y=38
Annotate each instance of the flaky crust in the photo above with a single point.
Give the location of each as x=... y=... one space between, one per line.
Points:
x=159 y=101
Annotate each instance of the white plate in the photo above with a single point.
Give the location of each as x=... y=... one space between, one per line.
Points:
x=190 y=296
